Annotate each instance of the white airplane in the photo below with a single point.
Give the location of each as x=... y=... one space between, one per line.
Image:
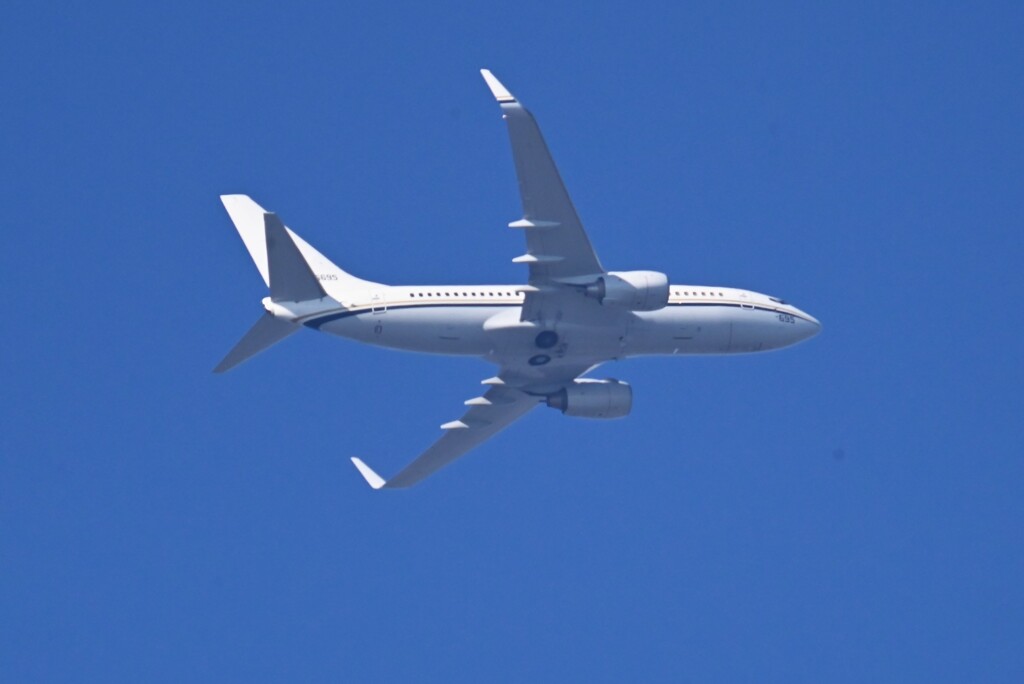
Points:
x=570 y=317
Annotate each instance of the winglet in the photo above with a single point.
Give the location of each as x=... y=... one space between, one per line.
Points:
x=372 y=478
x=499 y=91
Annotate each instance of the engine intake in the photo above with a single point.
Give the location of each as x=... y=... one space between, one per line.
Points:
x=589 y=398
x=633 y=290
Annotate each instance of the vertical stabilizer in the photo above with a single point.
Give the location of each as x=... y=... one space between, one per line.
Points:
x=251 y=226
x=291 y=279
x=292 y=269
x=248 y=219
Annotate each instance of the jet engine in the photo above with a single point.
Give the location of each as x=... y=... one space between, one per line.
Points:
x=588 y=398
x=633 y=290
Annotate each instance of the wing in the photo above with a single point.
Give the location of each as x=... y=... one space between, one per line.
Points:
x=511 y=395
x=557 y=247
x=488 y=415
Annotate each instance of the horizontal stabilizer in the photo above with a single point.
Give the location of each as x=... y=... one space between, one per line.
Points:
x=268 y=331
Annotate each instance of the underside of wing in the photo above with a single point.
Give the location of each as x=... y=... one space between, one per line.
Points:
x=557 y=246
x=510 y=395
x=498 y=408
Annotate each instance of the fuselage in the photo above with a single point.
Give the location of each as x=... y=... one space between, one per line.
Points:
x=545 y=337
x=483 y=321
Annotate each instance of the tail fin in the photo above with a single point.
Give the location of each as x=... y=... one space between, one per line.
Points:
x=290 y=267
x=291 y=279
x=248 y=218
x=268 y=331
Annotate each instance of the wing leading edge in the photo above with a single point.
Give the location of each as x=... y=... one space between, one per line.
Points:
x=557 y=246
x=488 y=415
x=560 y=258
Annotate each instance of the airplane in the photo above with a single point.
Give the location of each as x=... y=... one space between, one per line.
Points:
x=545 y=336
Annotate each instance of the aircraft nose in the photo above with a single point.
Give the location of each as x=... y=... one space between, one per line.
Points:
x=811 y=326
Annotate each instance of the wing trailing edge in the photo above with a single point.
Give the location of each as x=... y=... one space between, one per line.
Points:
x=557 y=244
x=501 y=407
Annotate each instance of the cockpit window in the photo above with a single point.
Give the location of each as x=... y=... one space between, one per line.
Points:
x=778 y=301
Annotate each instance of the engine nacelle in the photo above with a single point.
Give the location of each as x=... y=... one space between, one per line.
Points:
x=633 y=290
x=588 y=398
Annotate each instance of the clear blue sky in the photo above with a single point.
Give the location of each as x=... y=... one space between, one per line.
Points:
x=848 y=510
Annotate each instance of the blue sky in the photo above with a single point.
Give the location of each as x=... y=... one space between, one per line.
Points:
x=846 y=510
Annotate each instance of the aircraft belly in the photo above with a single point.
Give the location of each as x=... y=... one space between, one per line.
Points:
x=432 y=330
x=496 y=331
x=709 y=330
x=684 y=330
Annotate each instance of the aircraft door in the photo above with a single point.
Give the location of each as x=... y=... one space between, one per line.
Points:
x=379 y=303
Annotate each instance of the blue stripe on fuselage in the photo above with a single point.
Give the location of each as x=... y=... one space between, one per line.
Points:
x=316 y=323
